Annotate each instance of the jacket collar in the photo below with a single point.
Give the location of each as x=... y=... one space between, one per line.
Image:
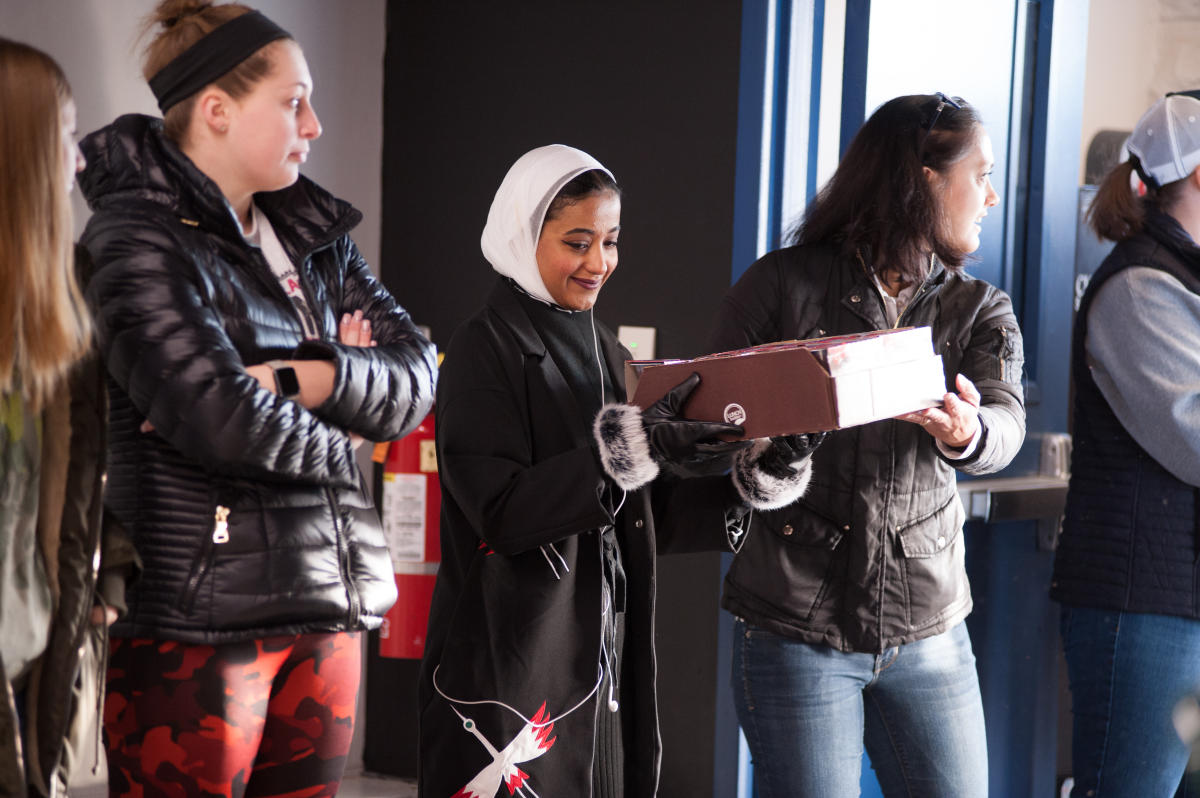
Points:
x=503 y=300
x=1166 y=230
x=504 y=303
x=862 y=296
x=131 y=160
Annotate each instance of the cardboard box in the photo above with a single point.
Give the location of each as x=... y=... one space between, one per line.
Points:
x=803 y=386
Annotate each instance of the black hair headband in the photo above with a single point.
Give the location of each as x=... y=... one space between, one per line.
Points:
x=212 y=56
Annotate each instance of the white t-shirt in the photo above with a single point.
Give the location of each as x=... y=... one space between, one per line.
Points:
x=262 y=235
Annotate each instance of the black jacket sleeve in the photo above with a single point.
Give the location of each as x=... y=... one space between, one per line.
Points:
x=993 y=360
x=380 y=392
x=750 y=311
x=485 y=451
x=693 y=515
x=167 y=349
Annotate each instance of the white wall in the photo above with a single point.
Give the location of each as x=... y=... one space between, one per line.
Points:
x=96 y=42
x=1137 y=52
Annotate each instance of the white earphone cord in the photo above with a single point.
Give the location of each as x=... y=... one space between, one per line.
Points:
x=605 y=652
x=595 y=688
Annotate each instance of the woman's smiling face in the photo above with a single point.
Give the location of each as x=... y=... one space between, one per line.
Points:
x=577 y=250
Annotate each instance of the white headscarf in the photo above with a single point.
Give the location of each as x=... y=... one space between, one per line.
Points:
x=514 y=222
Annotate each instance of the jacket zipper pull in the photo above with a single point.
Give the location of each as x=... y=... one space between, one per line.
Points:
x=221 y=528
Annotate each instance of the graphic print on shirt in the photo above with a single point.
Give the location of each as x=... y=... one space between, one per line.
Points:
x=290 y=280
x=531 y=742
x=262 y=235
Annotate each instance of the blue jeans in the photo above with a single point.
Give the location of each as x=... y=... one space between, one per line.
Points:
x=1127 y=671
x=807 y=710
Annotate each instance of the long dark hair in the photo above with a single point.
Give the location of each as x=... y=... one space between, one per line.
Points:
x=1117 y=213
x=879 y=202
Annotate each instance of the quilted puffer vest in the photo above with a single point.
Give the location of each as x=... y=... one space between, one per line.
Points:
x=1129 y=534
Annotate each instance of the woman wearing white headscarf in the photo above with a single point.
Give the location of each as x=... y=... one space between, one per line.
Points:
x=539 y=665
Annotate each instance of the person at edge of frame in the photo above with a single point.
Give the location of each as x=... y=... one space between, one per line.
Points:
x=1127 y=565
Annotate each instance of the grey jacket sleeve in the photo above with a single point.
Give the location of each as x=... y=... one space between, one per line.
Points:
x=1142 y=344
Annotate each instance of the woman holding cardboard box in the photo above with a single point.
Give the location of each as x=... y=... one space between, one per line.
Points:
x=850 y=601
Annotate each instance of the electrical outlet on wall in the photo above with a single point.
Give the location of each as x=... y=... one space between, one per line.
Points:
x=638 y=340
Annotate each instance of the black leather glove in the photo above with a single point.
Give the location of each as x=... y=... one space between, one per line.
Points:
x=684 y=442
x=788 y=449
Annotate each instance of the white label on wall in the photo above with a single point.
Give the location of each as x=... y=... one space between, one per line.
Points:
x=404 y=517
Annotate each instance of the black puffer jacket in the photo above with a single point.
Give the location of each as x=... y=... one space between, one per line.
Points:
x=872 y=556
x=183 y=305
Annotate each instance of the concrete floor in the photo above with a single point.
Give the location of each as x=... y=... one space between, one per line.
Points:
x=364 y=785
x=369 y=786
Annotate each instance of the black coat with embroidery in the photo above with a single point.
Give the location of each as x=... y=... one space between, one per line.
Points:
x=522 y=485
x=872 y=556
x=183 y=304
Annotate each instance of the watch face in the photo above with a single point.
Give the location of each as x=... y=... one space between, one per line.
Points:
x=286 y=382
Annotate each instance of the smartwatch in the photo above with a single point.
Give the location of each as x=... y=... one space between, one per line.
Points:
x=287 y=384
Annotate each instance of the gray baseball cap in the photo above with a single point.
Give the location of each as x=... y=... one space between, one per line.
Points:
x=1166 y=139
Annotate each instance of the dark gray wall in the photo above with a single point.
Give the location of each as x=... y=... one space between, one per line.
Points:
x=650 y=89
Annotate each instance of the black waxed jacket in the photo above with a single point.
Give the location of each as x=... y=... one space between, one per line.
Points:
x=183 y=304
x=872 y=556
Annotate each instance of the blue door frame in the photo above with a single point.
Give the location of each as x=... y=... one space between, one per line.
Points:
x=1014 y=626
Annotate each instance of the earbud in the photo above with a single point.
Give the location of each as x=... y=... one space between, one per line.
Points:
x=613 y=706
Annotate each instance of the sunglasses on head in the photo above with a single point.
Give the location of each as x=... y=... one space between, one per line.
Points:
x=943 y=102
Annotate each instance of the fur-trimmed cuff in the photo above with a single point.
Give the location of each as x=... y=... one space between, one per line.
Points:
x=624 y=447
x=761 y=490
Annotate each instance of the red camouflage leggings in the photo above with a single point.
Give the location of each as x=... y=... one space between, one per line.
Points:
x=268 y=717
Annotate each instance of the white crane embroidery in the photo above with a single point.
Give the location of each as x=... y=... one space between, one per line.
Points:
x=530 y=743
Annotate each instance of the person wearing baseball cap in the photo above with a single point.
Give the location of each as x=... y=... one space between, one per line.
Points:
x=1127 y=569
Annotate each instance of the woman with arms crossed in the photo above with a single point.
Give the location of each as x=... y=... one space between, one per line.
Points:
x=229 y=299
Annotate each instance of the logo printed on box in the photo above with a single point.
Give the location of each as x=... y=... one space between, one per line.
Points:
x=734 y=413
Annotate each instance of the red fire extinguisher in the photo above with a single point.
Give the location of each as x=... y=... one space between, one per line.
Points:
x=411 y=505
